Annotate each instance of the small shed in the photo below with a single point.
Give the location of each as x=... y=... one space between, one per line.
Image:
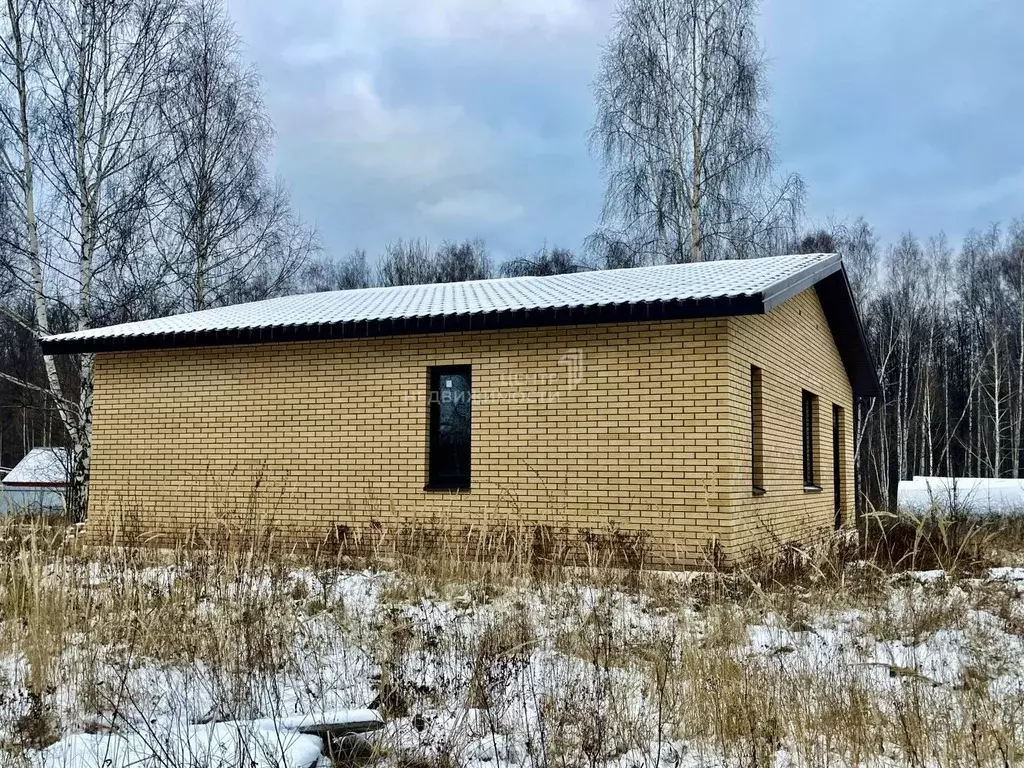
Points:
x=37 y=484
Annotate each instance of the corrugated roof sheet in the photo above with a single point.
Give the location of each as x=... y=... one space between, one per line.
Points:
x=644 y=285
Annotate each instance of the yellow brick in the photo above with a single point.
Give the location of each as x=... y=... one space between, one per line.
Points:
x=653 y=436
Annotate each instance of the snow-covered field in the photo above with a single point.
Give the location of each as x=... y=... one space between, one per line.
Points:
x=115 y=659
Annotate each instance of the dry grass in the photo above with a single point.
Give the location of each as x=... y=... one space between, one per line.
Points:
x=819 y=656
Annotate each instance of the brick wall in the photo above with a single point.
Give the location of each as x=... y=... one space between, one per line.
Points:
x=794 y=349
x=639 y=428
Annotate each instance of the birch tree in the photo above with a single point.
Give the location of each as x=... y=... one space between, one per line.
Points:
x=228 y=229
x=20 y=45
x=80 y=81
x=1013 y=270
x=685 y=140
x=946 y=334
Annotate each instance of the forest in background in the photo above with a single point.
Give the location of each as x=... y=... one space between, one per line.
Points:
x=135 y=182
x=946 y=331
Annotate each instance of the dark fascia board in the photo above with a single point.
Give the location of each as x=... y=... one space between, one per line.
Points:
x=790 y=287
x=830 y=283
x=675 y=309
x=840 y=310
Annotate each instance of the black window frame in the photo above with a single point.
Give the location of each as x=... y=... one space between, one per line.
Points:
x=436 y=481
x=838 y=474
x=808 y=424
x=757 y=430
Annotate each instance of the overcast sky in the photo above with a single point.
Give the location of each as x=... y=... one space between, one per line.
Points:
x=447 y=119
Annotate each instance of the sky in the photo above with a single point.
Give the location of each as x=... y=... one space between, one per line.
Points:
x=454 y=119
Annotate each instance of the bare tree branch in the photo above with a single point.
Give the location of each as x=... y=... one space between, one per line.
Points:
x=684 y=139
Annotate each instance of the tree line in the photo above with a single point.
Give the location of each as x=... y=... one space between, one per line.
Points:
x=946 y=330
x=134 y=182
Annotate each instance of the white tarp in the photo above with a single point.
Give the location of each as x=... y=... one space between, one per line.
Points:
x=31 y=501
x=966 y=495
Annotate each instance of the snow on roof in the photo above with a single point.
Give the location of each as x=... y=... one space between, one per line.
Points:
x=675 y=282
x=671 y=291
x=41 y=466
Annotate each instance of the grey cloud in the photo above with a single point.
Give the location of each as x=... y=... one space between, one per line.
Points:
x=440 y=120
x=460 y=118
x=903 y=112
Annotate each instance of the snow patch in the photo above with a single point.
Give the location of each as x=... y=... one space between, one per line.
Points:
x=256 y=744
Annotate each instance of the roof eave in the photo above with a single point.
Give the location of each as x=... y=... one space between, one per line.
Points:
x=673 y=309
x=828 y=277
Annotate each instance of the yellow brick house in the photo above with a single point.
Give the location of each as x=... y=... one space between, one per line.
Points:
x=697 y=409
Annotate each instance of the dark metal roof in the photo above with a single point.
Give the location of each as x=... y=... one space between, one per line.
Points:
x=707 y=289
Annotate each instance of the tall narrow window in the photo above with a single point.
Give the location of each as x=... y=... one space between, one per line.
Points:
x=810 y=407
x=838 y=430
x=756 y=432
x=450 y=428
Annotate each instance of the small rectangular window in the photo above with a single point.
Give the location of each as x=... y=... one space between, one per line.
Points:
x=756 y=431
x=810 y=407
x=450 y=428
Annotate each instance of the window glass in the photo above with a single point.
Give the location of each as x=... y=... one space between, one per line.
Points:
x=756 y=431
x=450 y=426
x=809 y=407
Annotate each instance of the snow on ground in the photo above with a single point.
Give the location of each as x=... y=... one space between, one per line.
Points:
x=496 y=679
x=223 y=745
